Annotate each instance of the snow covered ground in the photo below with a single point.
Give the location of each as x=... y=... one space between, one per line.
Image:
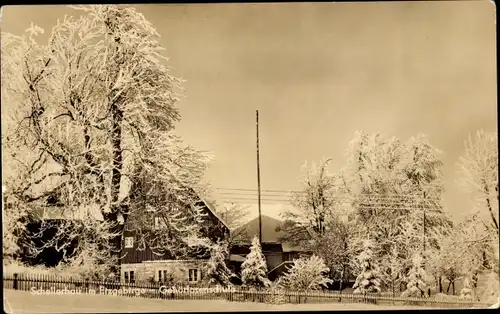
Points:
x=24 y=302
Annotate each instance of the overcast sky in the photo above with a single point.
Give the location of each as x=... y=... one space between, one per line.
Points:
x=317 y=73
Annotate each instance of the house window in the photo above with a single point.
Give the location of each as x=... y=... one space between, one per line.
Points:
x=162 y=275
x=129 y=276
x=129 y=242
x=193 y=275
x=160 y=223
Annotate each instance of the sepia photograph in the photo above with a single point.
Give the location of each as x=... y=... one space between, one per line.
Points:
x=230 y=157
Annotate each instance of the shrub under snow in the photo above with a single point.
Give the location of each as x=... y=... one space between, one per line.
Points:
x=217 y=271
x=467 y=292
x=306 y=274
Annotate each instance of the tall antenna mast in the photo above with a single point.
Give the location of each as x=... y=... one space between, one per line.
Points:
x=258 y=179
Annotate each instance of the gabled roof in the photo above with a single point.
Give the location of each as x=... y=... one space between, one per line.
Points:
x=211 y=208
x=269 y=233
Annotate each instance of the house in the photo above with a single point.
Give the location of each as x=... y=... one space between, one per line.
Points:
x=279 y=255
x=143 y=264
x=43 y=223
x=136 y=264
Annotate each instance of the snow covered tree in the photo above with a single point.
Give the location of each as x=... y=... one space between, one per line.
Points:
x=314 y=206
x=372 y=180
x=13 y=226
x=306 y=274
x=416 y=286
x=393 y=267
x=316 y=220
x=89 y=118
x=424 y=180
x=479 y=169
x=368 y=280
x=254 y=267
x=217 y=270
x=479 y=176
x=395 y=190
x=235 y=215
x=434 y=268
x=335 y=249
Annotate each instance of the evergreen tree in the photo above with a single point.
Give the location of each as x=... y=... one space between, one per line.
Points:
x=254 y=268
x=416 y=286
x=217 y=270
x=367 y=281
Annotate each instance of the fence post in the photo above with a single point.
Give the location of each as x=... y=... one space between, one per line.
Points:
x=15 y=282
x=87 y=285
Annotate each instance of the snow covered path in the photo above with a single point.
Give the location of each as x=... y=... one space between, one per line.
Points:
x=24 y=302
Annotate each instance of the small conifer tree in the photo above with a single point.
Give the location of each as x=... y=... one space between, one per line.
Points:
x=416 y=286
x=254 y=267
x=368 y=280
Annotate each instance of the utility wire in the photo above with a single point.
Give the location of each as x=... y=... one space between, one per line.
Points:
x=255 y=190
x=360 y=198
x=287 y=193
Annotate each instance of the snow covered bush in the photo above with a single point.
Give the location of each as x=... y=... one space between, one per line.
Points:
x=489 y=290
x=216 y=270
x=13 y=215
x=368 y=280
x=61 y=270
x=467 y=292
x=445 y=297
x=306 y=274
x=416 y=286
x=276 y=293
x=254 y=267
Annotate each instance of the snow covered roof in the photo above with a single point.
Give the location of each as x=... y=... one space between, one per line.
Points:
x=269 y=233
x=280 y=265
x=46 y=212
x=289 y=247
x=211 y=208
x=236 y=258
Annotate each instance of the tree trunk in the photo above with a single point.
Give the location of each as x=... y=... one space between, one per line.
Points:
x=393 y=292
x=488 y=203
x=440 y=285
x=342 y=278
x=115 y=209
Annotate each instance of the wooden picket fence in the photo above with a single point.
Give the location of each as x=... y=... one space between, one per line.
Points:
x=51 y=284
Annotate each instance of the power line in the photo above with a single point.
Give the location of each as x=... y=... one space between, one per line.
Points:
x=371 y=196
x=254 y=199
x=254 y=190
x=246 y=194
x=381 y=206
x=338 y=198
